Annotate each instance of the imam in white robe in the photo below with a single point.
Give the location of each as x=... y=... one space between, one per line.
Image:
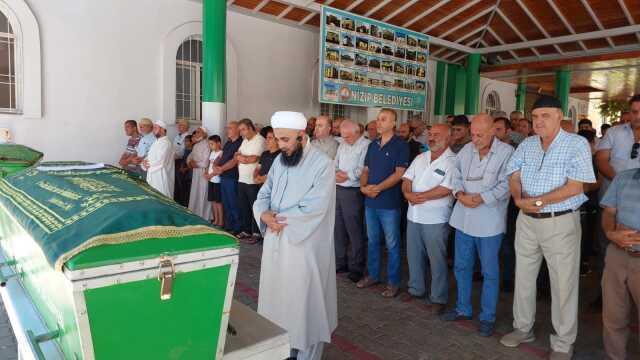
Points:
x=160 y=172
x=198 y=202
x=298 y=271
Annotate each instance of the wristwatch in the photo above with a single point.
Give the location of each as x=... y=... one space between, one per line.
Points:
x=538 y=203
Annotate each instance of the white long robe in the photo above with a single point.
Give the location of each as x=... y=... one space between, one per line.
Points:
x=198 y=202
x=298 y=271
x=160 y=172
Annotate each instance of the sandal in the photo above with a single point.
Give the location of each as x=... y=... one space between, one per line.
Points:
x=367 y=282
x=391 y=291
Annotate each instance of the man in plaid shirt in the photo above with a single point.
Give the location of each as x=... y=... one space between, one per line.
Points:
x=547 y=176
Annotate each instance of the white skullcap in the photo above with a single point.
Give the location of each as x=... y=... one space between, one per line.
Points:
x=206 y=131
x=288 y=120
x=161 y=124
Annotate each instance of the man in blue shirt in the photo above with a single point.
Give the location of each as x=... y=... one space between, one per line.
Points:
x=621 y=278
x=386 y=161
x=481 y=187
x=227 y=168
x=548 y=172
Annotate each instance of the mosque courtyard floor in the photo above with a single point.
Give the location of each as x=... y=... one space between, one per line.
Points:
x=372 y=327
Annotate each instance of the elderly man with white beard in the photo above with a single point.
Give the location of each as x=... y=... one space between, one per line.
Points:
x=295 y=210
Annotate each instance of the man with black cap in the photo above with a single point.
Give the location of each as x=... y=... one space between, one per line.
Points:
x=547 y=173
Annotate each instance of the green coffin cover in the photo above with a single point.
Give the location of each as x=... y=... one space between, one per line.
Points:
x=16 y=157
x=75 y=211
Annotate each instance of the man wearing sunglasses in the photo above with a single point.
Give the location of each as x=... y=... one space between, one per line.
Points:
x=547 y=176
x=617 y=151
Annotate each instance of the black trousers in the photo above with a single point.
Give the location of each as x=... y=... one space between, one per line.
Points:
x=247 y=194
x=349 y=229
x=182 y=187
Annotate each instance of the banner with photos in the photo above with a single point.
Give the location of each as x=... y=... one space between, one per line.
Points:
x=365 y=62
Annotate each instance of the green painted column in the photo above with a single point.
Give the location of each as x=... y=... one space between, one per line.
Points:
x=439 y=96
x=563 y=85
x=521 y=95
x=456 y=90
x=214 y=37
x=472 y=101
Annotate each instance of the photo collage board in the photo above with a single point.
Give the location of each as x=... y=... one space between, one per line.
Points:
x=365 y=62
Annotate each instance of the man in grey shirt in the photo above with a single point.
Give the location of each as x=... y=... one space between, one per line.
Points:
x=349 y=201
x=323 y=139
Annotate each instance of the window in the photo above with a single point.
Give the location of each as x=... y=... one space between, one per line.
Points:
x=8 y=101
x=573 y=114
x=189 y=80
x=492 y=102
x=334 y=111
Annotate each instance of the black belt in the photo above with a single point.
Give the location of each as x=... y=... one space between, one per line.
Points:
x=548 y=214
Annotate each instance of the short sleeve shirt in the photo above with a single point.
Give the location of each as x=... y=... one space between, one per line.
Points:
x=253 y=147
x=145 y=144
x=568 y=157
x=228 y=152
x=624 y=195
x=382 y=162
x=426 y=175
x=619 y=139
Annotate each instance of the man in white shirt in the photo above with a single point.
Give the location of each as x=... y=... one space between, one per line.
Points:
x=248 y=157
x=159 y=162
x=427 y=186
x=349 y=201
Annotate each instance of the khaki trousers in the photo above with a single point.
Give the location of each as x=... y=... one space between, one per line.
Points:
x=621 y=278
x=557 y=239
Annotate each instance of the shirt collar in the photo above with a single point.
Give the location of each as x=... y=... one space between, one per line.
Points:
x=393 y=139
x=492 y=149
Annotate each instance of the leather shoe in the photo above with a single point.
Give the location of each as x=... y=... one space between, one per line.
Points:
x=355 y=276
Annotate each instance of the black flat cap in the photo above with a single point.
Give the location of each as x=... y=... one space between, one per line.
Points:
x=546 y=101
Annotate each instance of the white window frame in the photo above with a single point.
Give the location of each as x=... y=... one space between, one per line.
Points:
x=28 y=62
x=195 y=83
x=497 y=102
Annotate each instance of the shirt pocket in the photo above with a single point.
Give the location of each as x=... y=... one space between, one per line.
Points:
x=491 y=175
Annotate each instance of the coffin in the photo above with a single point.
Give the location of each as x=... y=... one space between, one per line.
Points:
x=114 y=269
x=14 y=158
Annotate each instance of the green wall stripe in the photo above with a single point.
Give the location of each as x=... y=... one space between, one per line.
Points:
x=441 y=76
x=563 y=85
x=214 y=36
x=473 y=84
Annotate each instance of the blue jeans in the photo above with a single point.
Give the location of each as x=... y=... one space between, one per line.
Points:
x=229 y=190
x=384 y=222
x=487 y=249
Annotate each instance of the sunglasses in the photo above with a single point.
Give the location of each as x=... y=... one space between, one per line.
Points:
x=634 y=150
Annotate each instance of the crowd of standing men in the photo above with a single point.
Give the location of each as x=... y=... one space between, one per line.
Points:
x=515 y=193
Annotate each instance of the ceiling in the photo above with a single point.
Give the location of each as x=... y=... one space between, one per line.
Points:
x=516 y=37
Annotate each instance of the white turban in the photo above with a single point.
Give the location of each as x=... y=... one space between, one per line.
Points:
x=161 y=124
x=288 y=120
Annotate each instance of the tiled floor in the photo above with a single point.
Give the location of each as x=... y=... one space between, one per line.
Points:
x=371 y=327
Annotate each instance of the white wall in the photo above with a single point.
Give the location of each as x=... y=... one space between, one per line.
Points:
x=102 y=64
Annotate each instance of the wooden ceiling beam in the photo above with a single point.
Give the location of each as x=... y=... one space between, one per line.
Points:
x=450 y=16
x=495 y=35
x=399 y=10
x=566 y=38
x=537 y=23
x=373 y=10
x=425 y=13
x=568 y=59
x=627 y=14
x=565 y=22
x=596 y=20
x=515 y=29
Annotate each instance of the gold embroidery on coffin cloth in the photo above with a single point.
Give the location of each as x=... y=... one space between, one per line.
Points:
x=145 y=233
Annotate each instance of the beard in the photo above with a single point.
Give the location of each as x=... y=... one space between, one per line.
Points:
x=293 y=159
